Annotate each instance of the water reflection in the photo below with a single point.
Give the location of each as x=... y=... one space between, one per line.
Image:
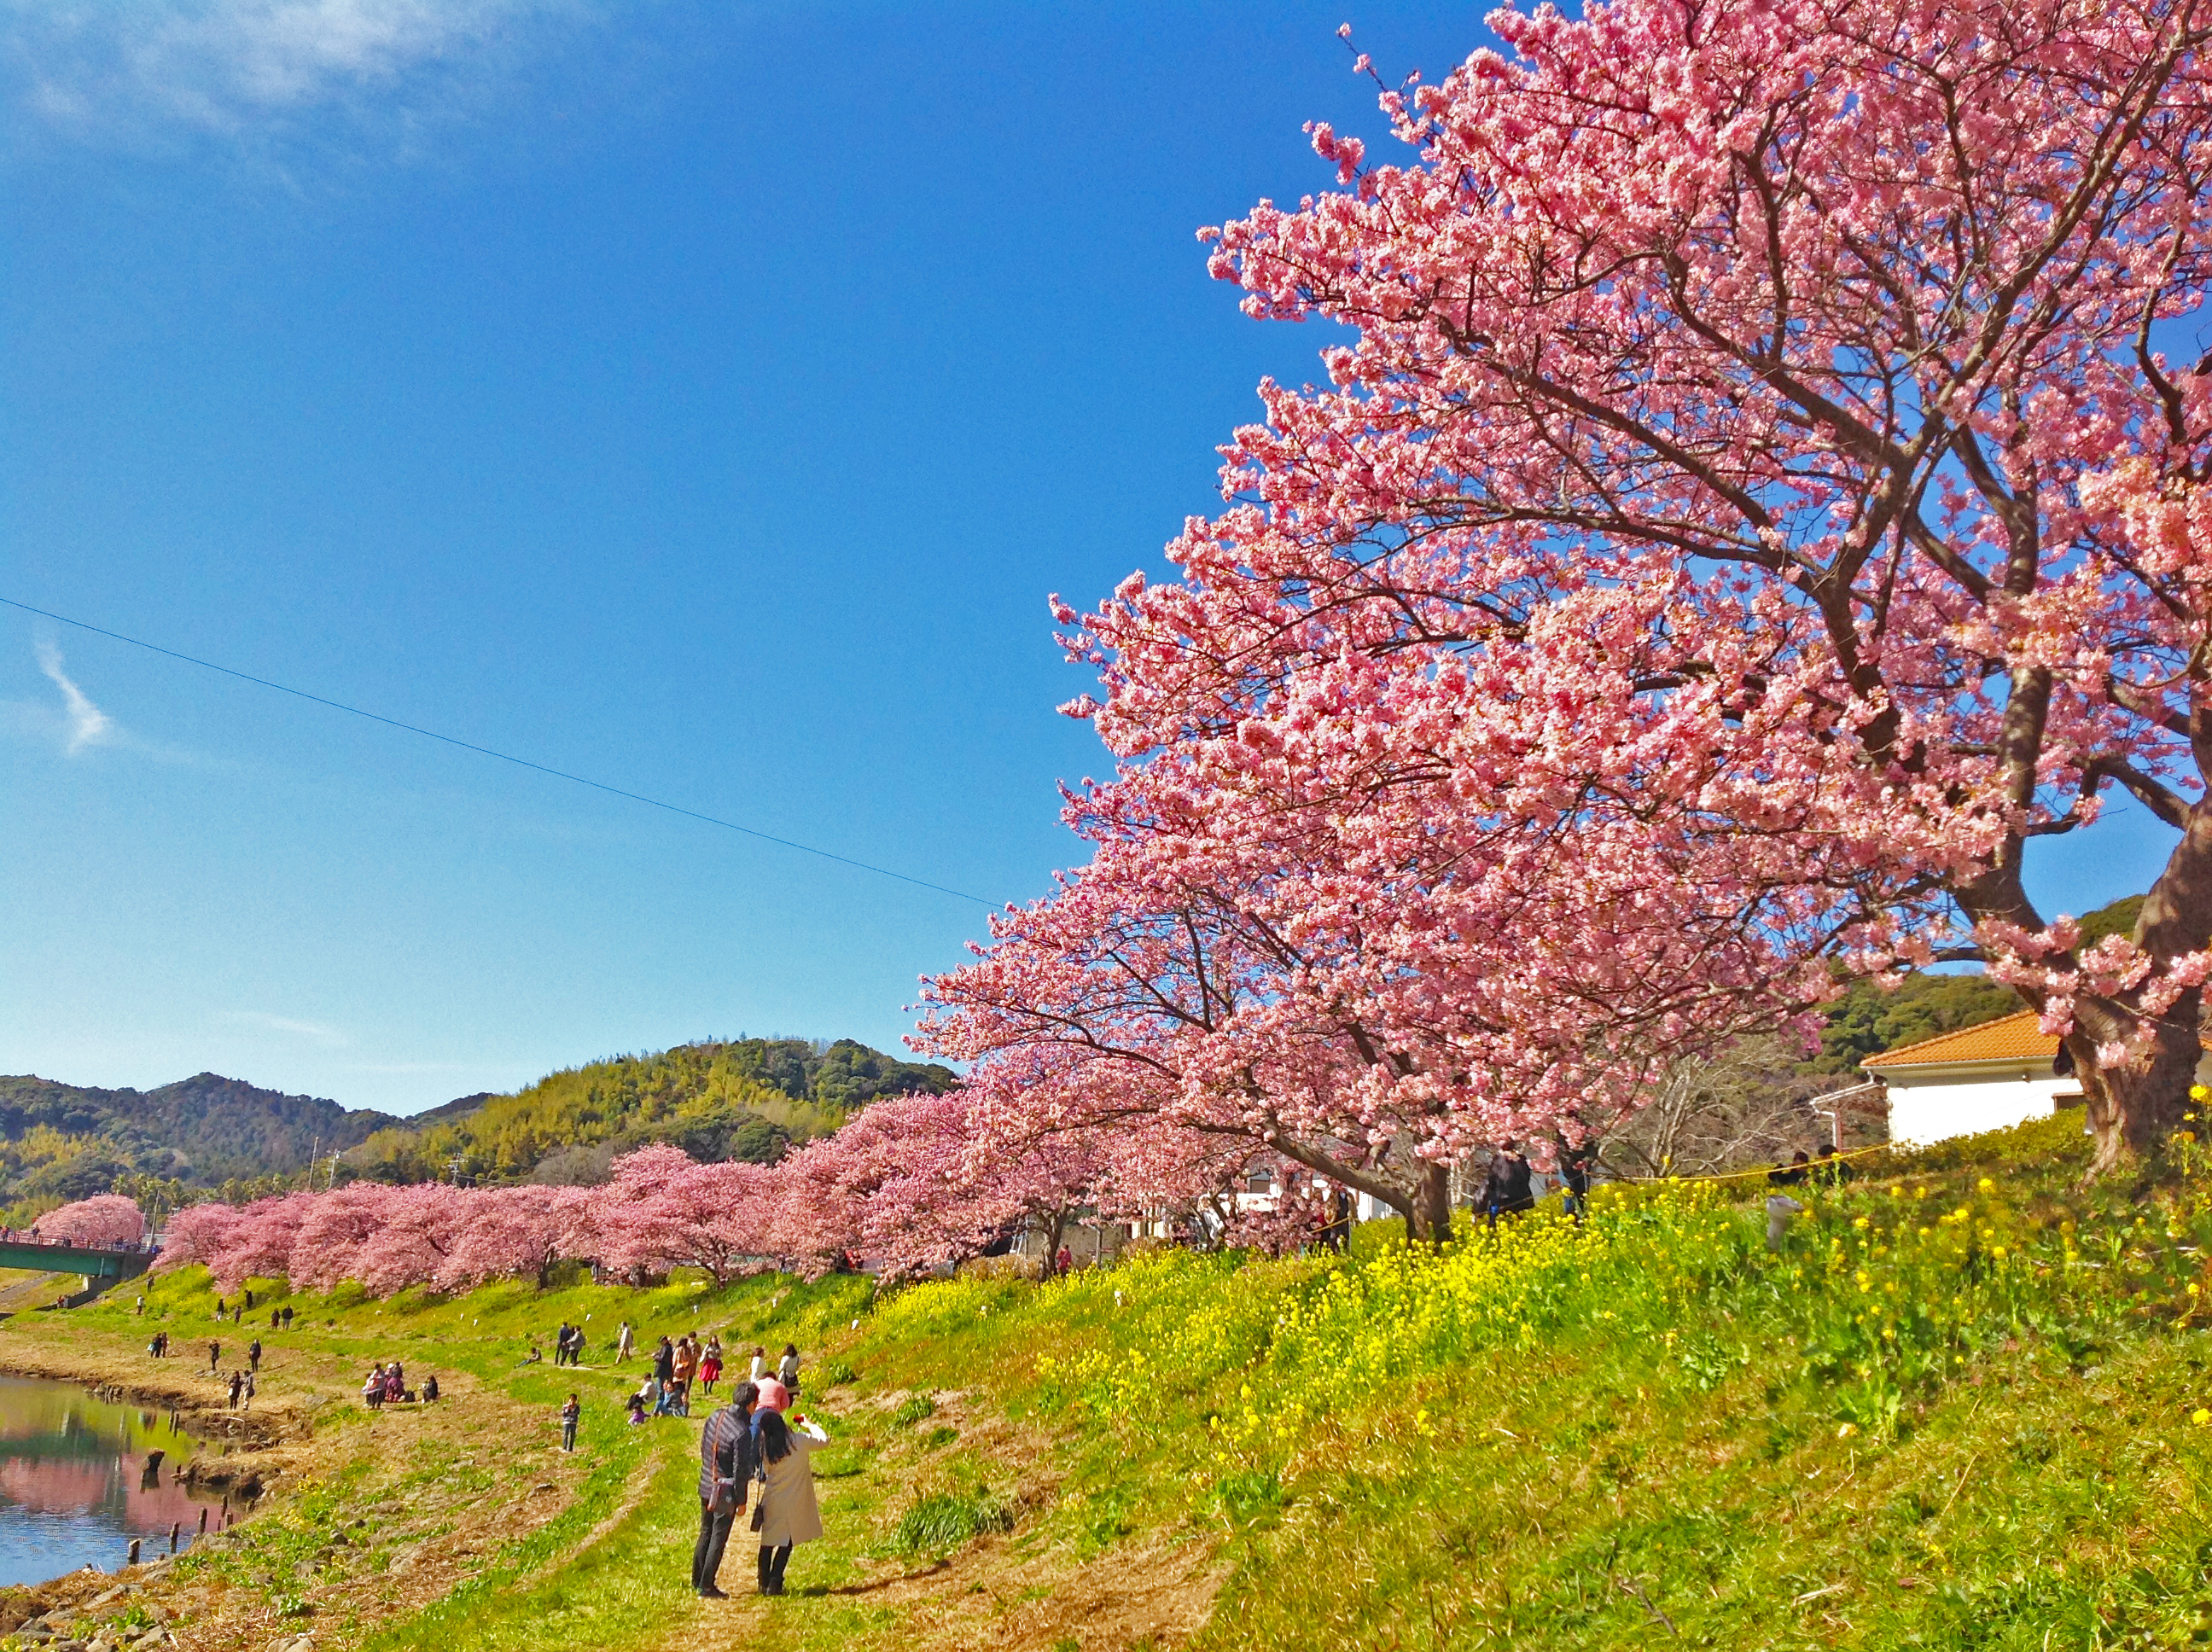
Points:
x=80 y=1477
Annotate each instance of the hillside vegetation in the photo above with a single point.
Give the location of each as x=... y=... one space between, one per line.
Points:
x=746 y=1098
x=68 y=1141
x=1965 y=1407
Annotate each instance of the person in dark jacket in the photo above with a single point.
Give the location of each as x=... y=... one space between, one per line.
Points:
x=729 y=1458
x=1793 y=1173
x=664 y=1363
x=1507 y=1189
x=1575 y=1177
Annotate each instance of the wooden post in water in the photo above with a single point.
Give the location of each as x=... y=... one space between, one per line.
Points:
x=204 y=1514
x=176 y=1527
x=134 y=1554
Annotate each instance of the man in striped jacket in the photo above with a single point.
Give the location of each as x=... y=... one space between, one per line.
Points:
x=729 y=1460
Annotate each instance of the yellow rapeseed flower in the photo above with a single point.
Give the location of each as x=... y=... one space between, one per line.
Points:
x=2200 y=1416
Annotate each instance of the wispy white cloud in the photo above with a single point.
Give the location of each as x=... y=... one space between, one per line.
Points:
x=82 y=724
x=128 y=68
x=277 y=1024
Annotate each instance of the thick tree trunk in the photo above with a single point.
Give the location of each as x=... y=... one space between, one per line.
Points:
x=1428 y=1219
x=2135 y=1104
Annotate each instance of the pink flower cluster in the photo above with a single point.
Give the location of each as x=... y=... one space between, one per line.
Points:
x=1750 y=509
x=106 y=1221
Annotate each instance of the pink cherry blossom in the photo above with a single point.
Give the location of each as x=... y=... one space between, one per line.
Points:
x=106 y=1221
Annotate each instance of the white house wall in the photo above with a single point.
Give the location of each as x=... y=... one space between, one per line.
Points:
x=1924 y=1112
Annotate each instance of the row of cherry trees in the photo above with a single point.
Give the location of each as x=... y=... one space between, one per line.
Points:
x=910 y=1182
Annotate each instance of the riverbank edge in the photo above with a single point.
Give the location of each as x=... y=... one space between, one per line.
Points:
x=263 y=1450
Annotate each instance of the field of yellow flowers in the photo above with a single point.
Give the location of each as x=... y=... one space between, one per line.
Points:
x=1964 y=1405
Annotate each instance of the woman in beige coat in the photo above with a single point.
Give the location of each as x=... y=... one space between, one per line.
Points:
x=789 y=1514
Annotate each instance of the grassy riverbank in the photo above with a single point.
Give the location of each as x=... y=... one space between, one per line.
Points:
x=1957 y=1411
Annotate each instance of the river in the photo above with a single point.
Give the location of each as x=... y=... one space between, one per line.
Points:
x=80 y=1477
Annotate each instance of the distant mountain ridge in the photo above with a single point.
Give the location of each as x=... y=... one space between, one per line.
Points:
x=717 y=1099
x=741 y=1098
x=67 y=1141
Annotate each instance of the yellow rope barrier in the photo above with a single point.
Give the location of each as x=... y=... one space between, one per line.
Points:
x=1812 y=1170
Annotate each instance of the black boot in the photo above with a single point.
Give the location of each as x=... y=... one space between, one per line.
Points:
x=767 y=1581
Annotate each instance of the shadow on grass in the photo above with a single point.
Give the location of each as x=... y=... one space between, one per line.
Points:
x=822 y=1590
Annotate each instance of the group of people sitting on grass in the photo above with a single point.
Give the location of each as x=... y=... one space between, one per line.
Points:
x=386 y=1384
x=752 y=1452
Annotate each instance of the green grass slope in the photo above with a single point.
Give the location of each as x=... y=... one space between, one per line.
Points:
x=1964 y=1406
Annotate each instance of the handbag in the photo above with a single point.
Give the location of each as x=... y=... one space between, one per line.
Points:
x=760 y=1514
x=726 y=1496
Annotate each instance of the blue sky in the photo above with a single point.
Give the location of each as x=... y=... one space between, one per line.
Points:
x=700 y=397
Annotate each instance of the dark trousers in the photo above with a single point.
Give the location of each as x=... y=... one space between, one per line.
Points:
x=772 y=1563
x=567 y=1434
x=714 y=1538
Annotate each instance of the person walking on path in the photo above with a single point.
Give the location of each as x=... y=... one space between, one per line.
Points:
x=789 y=1514
x=215 y=1357
x=760 y=1365
x=625 y=1343
x=786 y=1369
x=1506 y=1191
x=729 y=1458
x=570 y=1414
x=710 y=1365
x=253 y=1354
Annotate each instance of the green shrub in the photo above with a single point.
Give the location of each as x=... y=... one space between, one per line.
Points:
x=945 y=1520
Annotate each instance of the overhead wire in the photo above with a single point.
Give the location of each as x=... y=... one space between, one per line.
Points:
x=489 y=751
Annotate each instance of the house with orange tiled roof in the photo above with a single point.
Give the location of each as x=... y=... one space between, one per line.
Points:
x=1985 y=1078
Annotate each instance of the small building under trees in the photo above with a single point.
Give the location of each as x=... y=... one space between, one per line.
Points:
x=1985 y=1078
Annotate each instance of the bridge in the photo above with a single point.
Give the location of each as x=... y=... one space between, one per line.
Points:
x=98 y=1268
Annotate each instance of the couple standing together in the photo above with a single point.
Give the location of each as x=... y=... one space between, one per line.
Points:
x=746 y=1441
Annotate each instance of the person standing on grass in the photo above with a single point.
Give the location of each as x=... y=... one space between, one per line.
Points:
x=786 y=1369
x=729 y=1458
x=215 y=1357
x=664 y=1363
x=1507 y=1190
x=1575 y=1177
x=570 y=1414
x=625 y=1344
x=710 y=1365
x=237 y=1387
x=253 y=1354
x=789 y=1514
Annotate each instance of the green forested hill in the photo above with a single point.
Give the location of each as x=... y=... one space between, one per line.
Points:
x=741 y=1098
x=66 y=1141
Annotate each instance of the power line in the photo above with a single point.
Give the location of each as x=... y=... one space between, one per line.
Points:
x=487 y=752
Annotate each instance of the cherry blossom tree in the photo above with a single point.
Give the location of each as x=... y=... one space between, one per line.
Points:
x=197 y=1235
x=1752 y=466
x=509 y=1232
x=106 y=1221
x=662 y=1209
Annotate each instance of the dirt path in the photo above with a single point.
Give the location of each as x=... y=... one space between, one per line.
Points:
x=353 y=1522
